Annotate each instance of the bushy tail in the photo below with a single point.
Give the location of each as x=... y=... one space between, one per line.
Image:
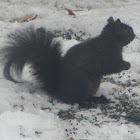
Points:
x=37 y=48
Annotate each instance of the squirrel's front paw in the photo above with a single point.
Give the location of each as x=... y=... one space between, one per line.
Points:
x=127 y=65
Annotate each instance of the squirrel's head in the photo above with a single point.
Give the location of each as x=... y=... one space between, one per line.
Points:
x=121 y=32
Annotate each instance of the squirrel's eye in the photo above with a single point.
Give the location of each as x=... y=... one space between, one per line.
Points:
x=123 y=27
x=129 y=31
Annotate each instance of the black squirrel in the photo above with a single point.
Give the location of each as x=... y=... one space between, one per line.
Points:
x=76 y=76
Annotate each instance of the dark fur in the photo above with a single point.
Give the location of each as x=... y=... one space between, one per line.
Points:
x=76 y=76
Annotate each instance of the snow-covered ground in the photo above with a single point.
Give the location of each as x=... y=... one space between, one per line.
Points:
x=27 y=113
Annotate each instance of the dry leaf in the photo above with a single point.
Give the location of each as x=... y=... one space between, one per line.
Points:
x=71 y=138
x=77 y=10
x=34 y=17
x=70 y=12
x=26 y=18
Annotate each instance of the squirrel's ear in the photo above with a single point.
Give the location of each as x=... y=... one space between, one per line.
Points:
x=110 y=20
x=118 y=25
x=118 y=21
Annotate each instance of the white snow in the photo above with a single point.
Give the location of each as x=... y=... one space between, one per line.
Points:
x=21 y=113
